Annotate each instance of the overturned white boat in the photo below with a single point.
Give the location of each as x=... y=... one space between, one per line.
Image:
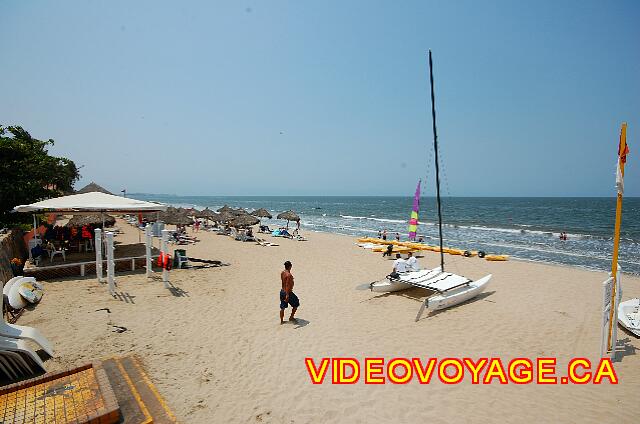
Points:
x=629 y=316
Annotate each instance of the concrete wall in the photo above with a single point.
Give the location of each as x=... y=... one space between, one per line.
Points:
x=11 y=246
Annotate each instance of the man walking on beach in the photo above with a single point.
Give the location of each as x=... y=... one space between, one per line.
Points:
x=287 y=296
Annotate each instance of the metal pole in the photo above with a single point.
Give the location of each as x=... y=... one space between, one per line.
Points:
x=622 y=146
x=98 y=249
x=149 y=241
x=165 y=248
x=110 y=263
x=435 y=147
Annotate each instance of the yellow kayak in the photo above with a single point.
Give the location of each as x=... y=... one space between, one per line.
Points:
x=497 y=257
x=452 y=251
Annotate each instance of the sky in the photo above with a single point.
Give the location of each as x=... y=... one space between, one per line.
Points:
x=328 y=97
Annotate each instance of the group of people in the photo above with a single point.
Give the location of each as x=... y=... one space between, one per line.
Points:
x=404 y=265
x=563 y=236
x=382 y=234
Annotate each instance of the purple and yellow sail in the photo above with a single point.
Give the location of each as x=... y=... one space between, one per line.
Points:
x=413 y=221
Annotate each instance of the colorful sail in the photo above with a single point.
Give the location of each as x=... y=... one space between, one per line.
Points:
x=413 y=221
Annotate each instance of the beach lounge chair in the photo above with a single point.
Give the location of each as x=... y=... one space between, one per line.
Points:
x=13 y=331
x=264 y=229
x=20 y=358
x=281 y=233
x=265 y=243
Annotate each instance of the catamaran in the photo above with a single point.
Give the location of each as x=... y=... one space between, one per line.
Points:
x=447 y=289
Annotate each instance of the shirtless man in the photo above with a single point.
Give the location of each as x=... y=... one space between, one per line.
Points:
x=287 y=296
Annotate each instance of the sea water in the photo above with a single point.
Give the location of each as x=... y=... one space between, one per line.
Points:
x=524 y=228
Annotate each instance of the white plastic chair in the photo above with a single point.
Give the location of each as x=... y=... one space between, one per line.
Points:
x=57 y=251
x=181 y=260
x=13 y=331
x=88 y=245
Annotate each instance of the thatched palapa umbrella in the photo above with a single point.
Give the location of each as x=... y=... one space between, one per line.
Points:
x=225 y=216
x=244 y=221
x=289 y=216
x=239 y=212
x=95 y=220
x=206 y=213
x=175 y=218
x=225 y=208
x=262 y=213
x=93 y=187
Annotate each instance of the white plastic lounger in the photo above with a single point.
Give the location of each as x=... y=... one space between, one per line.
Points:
x=7 y=368
x=13 y=331
x=21 y=355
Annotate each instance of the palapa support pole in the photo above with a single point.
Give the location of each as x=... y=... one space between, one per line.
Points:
x=623 y=149
x=148 y=242
x=35 y=237
x=110 y=263
x=165 y=248
x=98 y=249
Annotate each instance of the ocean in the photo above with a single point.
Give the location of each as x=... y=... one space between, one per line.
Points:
x=524 y=228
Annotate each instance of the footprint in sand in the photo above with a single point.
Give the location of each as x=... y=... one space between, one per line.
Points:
x=259 y=416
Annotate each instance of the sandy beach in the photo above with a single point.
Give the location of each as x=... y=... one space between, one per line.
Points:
x=219 y=354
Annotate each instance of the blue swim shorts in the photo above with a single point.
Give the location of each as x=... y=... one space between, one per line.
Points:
x=293 y=300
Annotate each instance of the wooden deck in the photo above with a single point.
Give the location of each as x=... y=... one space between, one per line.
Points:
x=128 y=257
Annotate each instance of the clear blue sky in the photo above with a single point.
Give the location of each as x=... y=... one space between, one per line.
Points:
x=328 y=97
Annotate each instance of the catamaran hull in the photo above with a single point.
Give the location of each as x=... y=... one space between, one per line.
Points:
x=386 y=286
x=629 y=316
x=458 y=295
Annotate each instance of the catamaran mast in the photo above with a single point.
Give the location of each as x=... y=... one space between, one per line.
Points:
x=435 y=147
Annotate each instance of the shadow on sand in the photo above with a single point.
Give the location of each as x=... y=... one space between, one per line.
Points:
x=298 y=323
x=624 y=347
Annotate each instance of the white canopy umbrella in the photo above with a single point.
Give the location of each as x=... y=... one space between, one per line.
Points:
x=91 y=202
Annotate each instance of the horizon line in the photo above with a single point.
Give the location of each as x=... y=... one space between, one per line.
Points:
x=375 y=195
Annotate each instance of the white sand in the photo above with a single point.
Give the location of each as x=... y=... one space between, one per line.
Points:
x=220 y=355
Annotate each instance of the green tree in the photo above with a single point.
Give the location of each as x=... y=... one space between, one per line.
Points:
x=29 y=174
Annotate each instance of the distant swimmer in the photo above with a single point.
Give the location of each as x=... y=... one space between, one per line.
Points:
x=384 y=235
x=379 y=234
x=563 y=236
x=397 y=236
